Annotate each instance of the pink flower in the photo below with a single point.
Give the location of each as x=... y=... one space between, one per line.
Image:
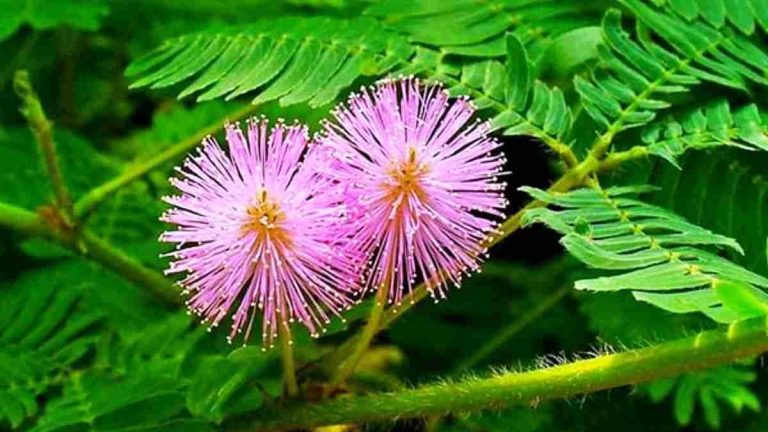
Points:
x=255 y=231
x=422 y=184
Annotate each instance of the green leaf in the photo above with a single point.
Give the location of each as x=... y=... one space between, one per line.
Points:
x=742 y=14
x=727 y=384
x=44 y=329
x=661 y=256
x=711 y=126
x=561 y=58
x=273 y=57
x=723 y=191
x=518 y=74
x=637 y=76
x=478 y=30
x=740 y=298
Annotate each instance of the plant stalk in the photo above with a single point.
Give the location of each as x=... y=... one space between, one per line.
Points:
x=348 y=364
x=98 y=194
x=705 y=350
x=41 y=128
x=86 y=243
x=571 y=179
x=289 y=365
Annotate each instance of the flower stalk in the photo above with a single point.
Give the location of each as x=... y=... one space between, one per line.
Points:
x=363 y=341
x=97 y=195
x=569 y=180
x=289 y=364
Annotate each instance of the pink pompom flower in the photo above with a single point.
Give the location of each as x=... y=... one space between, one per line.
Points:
x=256 y=232
x=422 y=184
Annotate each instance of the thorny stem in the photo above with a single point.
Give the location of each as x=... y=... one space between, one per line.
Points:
x=289 y=366
x=705 y=350
x=41 y=127
x=363 y=341
x=98 y=194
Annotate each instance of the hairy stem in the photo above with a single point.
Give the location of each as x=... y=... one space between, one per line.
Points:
x=41 y=127
x=707 y=349
x=363 y=341
x=86 y=243
x=98 y=194
x=513 y=328
x=289 y=365
x=133 y=271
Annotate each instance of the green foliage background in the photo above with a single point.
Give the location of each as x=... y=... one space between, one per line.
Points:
x=661 y=105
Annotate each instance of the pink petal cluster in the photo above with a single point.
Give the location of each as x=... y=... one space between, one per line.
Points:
x=421 y=180
x=257 y=231
x=403 y=187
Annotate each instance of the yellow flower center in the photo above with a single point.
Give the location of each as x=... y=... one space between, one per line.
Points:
x=407 y=176
x=265 y=217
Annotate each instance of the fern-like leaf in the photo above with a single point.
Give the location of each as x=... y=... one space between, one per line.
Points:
x=723 y=191
x=478 y=27
x=712 y=126
x=518 y=104
x=43 y=330
x=295 y=60
x=136 y=384
x=742 y=14
x=637 y=75
x=660 y=257
x=722 y=385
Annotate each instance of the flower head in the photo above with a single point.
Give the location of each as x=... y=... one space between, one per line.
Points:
x=422 y=184
x=255 y=231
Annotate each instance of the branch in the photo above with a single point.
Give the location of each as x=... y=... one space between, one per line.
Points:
x=705 y=350
x=98 y=194
x=86 y=243
x=41 y=127
x=614 y=159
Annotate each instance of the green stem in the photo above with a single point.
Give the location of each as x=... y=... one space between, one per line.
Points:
x=41 y=127
x=98 y=194
x=509 y=331
x=86 y=243
x=289 y=366
x=613 y=160
x=22 y=220
x=130 y=269
x=706 y=350
x=571 y=179
x=348 y=363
